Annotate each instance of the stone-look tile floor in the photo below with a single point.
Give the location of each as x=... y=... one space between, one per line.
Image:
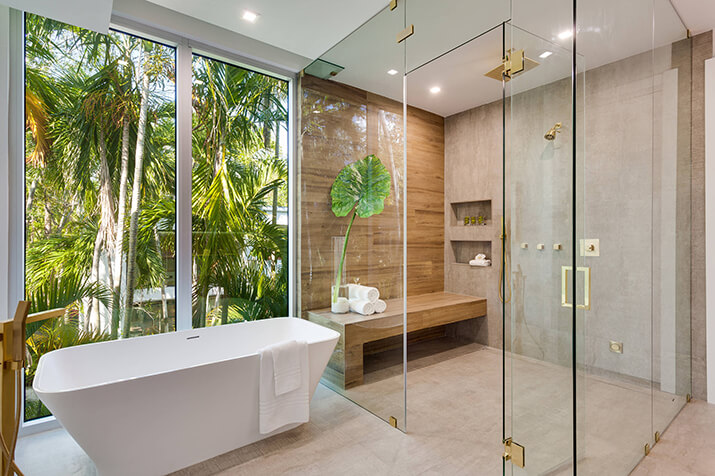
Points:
x=454 y=427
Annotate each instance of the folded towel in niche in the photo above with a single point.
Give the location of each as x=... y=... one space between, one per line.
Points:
x=380 y=306
x=362 y=306
x=365 y=293
x=480 y=256
x=278 y=374
x=480 y=262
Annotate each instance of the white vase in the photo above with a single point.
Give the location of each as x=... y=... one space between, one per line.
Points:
x=341 y=306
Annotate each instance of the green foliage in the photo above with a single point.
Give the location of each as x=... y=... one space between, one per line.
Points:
x=58 y=334
x=83 y=96
x=363 y=185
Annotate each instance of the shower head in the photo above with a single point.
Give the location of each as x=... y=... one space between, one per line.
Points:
x=551 y=134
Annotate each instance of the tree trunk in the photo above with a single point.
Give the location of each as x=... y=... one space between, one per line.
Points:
x=164 y=303
x=119 y=237
x=136 y=197
x=107 y=223
x=31 y=196
x=93 y=307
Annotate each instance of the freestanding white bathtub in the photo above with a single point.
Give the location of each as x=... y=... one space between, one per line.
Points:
x=152 y=405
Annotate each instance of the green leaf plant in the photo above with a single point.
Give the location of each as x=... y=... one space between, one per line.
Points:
x=360 y=188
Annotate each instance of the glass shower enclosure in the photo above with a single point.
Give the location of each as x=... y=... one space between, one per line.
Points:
x=582 y=127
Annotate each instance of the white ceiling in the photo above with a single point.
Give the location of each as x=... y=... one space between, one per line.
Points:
x=608 y=30
x=304 y=27
x=698 y=15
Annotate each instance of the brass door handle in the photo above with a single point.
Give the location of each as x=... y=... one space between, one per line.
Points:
x=586 y=287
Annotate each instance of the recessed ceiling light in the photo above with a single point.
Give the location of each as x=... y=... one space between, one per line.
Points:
x=565 y=34
x=392 y=72
x=435 y=89
x=545 y=54
x=249 y=16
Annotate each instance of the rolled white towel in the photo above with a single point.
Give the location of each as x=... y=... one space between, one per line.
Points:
x=480 y=262
x=362 y=306
x=360 y=292
x=380 y=306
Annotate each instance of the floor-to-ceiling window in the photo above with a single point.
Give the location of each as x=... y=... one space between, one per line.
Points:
x=101 y=183
x=239 y=194
x=99 y=176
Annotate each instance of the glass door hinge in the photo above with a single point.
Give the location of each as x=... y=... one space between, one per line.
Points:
x=513 y=452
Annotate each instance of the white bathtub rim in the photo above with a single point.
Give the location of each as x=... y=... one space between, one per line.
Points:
x=40 y=366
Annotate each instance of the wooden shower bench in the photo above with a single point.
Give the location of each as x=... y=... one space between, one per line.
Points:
x=424 y=311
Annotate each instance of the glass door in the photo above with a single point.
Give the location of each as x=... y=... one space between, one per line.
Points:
x=539 y=269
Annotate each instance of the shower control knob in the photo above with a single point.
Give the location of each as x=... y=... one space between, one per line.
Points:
x=591 y=247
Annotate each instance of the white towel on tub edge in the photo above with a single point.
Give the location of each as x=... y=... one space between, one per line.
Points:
x=278 y=410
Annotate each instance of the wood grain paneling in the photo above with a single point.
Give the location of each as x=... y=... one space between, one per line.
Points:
x=339 y=125
x=425 y=311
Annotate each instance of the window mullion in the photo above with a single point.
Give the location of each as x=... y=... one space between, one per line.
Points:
x=183 y=186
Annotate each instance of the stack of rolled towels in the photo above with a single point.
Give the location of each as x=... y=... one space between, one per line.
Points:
x=365 y=300
x=480 y=260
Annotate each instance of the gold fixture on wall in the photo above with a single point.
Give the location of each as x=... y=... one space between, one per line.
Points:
x=551 y=133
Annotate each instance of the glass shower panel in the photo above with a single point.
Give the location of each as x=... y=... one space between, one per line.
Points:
x=636 y=196
x=538 y=269
x=672 y=215
x=445 y=25
x=351 y=118
x=615 y=410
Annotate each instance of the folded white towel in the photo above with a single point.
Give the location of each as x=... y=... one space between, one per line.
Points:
x=480 y=256
x=380 y=306
x=480 y=262
x=360 y=292
x=286 y=366
x=362 y=306
x=278 y=372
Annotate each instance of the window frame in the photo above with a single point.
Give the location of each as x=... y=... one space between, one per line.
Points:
x=185 y=49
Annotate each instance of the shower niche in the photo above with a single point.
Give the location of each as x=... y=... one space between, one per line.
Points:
x=468 y=210
x=465 y=250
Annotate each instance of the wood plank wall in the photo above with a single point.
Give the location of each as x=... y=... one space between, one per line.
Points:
x=339 y=125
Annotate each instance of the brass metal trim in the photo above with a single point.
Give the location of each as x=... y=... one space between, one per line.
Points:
x=586 y=287
x=406 y=33
x=393 y=4
x=657 y=436
x=646 y=449
x=688 y=397
x=393 y=422
x=513 y=452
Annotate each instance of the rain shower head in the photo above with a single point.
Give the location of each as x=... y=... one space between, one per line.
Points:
x=511 y=59
x=551 y=134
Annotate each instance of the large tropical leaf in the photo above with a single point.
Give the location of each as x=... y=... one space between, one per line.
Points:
x=364 y=184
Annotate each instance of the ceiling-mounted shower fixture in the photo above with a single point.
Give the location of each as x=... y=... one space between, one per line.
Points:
x=551 y=134
x=514 y=62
